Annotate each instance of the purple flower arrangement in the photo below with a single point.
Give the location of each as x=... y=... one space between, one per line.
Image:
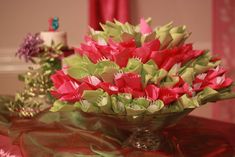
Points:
x=30 y=47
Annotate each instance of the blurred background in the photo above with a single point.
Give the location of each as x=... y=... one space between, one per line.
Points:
x=212 y=23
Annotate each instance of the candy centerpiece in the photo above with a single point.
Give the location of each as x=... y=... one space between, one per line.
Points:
x=139 y=79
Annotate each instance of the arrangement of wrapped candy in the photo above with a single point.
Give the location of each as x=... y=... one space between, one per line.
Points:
x=131 y=70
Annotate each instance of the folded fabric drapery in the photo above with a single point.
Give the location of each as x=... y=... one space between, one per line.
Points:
x=74 y=134
x=103 y=10
x=7 y=149
x=223 y=43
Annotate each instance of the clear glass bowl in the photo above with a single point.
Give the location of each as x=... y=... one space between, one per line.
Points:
x=147 y=131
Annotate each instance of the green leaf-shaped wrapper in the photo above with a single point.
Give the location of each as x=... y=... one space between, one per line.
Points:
x=106 y=70
x=134 y=109
x=150 y=67
x=179 y=35
x=203 y=68
x=112 y=30
x=200 y=65
x=97 y=35
x=78 y=72
x=175 y=107
x=148 y=37
x=115 y=30
x=170 y=81
x=187 y=102
x=208 y=95
x=141 y=102
x=159 y=76
x=226 y=95
x=163 y=34
x=149 y=70
x=125 y=98
x=76 y=60
x=104 y=103
x=92 y=96
x=134 y=66
x=79 y=66
x=86 y=106
x=174 y=70
x=61 y=106
x=108 y=73
x=155 y=106
x=188 y=75
x=117 y=106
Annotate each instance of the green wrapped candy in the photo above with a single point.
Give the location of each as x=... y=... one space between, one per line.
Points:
x=79 y=66
x=179 y=35
x=174 y=70
x=61 y=106
x=115 y=30
x=125 y=98
x=78 y=72
x=170 y=81
x=188 y=75
x=150 y=67
x=112 y=30
x=104 y=103
x=98 y=98
x=159 y=76
x=175 y=107
x=134 y=109
x=76 y=60
x=134 y=65
x=108 y=73
x=148 y=71
x=148 y=37
x=203 y=68
x=86 y=106
x=77 y=105
x=106 y=69
x=141 y=102
x=92 y=96
x=99 y=67
x=200 y=65
x=117 y=106
x=155 y=106
x=187 y=102
x=208 y=95
x=163 y=34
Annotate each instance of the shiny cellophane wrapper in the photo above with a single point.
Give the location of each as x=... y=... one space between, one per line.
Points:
x=80 y=134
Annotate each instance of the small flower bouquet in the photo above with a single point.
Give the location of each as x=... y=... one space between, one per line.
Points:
x=136 y=70
x=36 y=94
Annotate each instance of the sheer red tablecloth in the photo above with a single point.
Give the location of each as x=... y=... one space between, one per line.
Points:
x=194 y=137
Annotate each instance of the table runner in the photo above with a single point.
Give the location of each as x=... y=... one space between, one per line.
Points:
x=68 y=134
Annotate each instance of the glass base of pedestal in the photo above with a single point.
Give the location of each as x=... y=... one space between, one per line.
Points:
x=148 y=140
